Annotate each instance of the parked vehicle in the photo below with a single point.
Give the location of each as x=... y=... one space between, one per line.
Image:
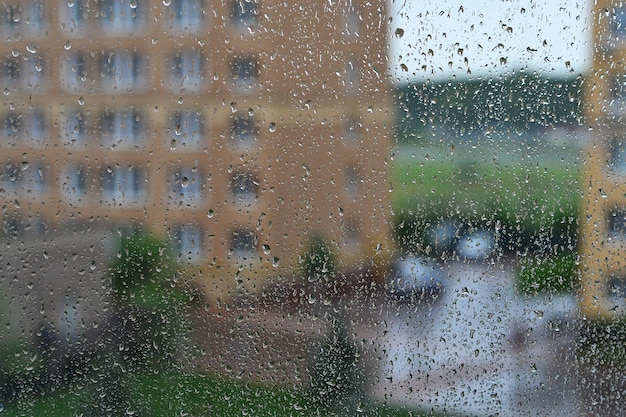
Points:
x=417 y=277
x=477 y=245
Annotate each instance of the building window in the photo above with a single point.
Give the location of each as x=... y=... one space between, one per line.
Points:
x=187 y=71
x=187 y=186
x=352 y=21
x=11 y=19
x=23 y=72
x=617 y=95
x=12 y=177
x=244 y=244
x=12 y=227
x=186 y=130
x=352 y=182
x=617 y=162
x=243 y=131
x=352 y=130
x=188 y=14
x=352 y=234
x=34 y=17
x=74 y=72
x=121 y=16
x=244 y=71
x=22 y=18
x=617 y=292
x=244 y=188
x=245 y=14
x=189 y=243
x=36 y=128
x=122 y=70
x=12 y=128
x=122 y=128
x=33 y=180
x=123 y=185
x=74 y=128
x=351 y=76
x=24 y=127
x=618 y=24
x=74 y=16
x=617 y=223
x=74 y=186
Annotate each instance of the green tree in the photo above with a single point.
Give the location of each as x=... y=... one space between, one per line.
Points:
x=149 y=302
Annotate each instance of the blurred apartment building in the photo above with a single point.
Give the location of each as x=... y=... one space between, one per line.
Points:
x=236 y=128
x=603 y=223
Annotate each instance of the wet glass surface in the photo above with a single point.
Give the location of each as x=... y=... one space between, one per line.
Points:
x=218 y=208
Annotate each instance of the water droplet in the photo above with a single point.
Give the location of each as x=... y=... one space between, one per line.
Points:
x=210 y=214
x=166 y=3
x=379 y=248
x=38 y=67
x=70 y=3
x=180 y=100
x=68 y=45
x=133 y=4
x=31 y=48
x=93 y=265
x=233 y=107
x=184 y=182
x=178 y=130
x=399 y=32
x=81 y=101
x=312 y=299
x=272 y=127
x=275 y=261
x=340 y=211
x=7 y=92
x=266 y=249
x=15 y=52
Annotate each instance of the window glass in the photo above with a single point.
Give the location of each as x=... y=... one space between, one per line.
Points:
x=316 y=208
x=189 y=15
x=245 y=14
x=187 y=130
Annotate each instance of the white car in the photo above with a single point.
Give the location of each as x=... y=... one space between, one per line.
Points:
x=417 y=277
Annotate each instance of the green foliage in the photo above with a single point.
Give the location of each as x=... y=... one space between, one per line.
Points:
x=320 y=260
x=551 y=275
x=534 y=205
x=520 y=101
x=164 y=393
x=21 y=370
x=150 y=302
x=141 y=269
x=336 y=381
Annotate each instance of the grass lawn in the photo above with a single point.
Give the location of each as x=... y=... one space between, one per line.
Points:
x=175 y=393
x=525 y=195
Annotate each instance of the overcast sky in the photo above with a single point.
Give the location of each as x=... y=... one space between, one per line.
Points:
x=441 y=39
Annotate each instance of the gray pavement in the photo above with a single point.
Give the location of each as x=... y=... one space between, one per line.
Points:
x=479 y=349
